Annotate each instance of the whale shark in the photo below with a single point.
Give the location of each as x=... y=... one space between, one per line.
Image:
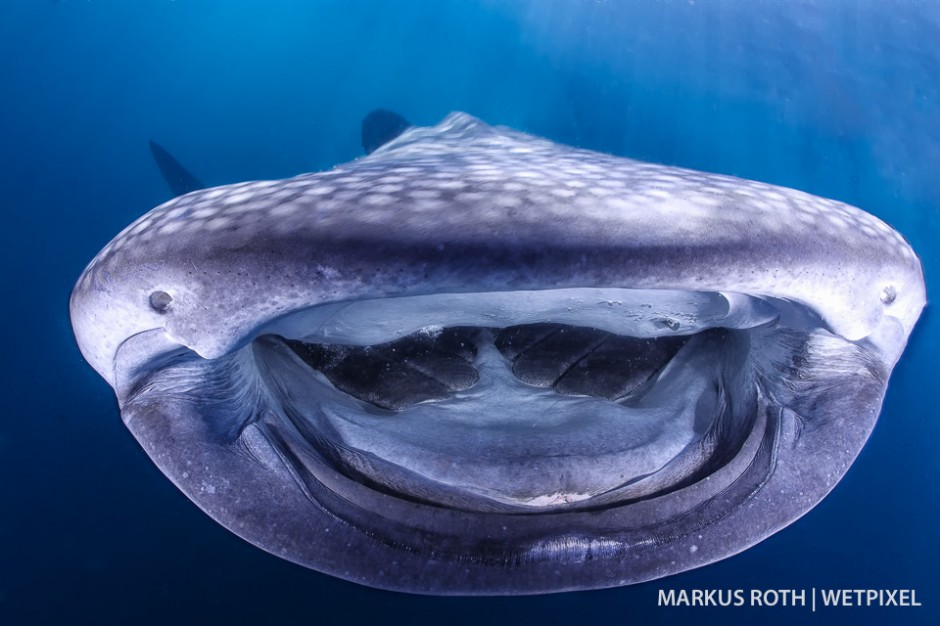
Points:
x=479 y=362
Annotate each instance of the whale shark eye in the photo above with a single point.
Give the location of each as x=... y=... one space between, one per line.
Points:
x=889 y=294
x=160 y=301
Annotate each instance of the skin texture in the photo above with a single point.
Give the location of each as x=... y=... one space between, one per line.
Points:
x=784 y=314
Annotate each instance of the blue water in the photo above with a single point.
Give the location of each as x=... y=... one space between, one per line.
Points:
x=839 y=99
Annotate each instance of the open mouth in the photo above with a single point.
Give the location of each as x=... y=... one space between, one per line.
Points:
x=489 y=427
x=535 y=416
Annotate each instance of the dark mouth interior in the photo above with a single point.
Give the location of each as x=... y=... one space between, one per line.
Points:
x=431 y=366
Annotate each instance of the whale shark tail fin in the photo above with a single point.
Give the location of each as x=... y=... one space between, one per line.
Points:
x=381 y=126
x=177 y=177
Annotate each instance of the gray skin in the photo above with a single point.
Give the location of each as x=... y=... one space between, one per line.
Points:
x=793 y=310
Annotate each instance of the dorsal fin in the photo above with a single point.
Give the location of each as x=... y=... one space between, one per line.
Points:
x=381 y=126
x=179 y=179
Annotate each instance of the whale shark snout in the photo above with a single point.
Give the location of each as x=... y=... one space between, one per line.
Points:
x=478 y=362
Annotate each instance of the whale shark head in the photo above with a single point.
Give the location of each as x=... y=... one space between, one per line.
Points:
x=479 y=362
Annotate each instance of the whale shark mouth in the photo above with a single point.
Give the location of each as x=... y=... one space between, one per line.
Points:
x=489 y=431
x=477 y=362
x=630 y=403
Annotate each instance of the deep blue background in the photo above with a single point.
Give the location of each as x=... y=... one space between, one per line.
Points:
x=841 y=100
